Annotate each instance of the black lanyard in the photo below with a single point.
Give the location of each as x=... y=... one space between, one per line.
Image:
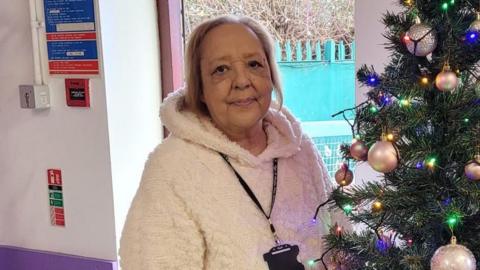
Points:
x=254 y=198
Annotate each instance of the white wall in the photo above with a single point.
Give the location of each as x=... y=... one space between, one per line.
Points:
x=72 y=139
x=132 y=77
x=90 y=150
x=370 y=51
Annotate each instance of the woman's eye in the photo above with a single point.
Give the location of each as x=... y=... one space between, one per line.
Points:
x=254 y=64
x=220 y=69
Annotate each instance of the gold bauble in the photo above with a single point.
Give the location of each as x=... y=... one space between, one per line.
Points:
x=382 y=156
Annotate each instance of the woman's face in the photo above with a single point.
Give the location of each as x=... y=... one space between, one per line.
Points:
x=237 y=86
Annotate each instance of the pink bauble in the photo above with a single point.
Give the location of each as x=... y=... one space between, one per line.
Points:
x=446 y=81
x=382 y=156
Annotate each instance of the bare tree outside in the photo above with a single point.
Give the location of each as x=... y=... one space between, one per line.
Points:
x=316 y=20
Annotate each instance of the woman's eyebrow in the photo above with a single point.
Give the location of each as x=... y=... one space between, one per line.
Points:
x=227 y=57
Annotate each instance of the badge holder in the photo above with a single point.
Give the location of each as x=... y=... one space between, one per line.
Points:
x=283 y=257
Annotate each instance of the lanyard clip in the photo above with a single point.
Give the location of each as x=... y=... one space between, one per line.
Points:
x=274 y=233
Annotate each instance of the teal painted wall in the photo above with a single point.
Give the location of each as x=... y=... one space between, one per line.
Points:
x=315 y=90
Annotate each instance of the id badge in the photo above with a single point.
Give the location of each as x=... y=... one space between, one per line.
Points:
x=283 y=257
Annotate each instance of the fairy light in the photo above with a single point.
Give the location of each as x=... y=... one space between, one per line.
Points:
x=419 y=165
x=472 y=36
x=410 y=242
x=390 y=136
x=377 y=206
x=424 y=80
x=431 y=162
x=404 y=103
x=373 y=109
x=453 y=219
x=445 y=6
x=347 y=208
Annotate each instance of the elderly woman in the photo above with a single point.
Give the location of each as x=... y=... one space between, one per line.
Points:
x=236 y=184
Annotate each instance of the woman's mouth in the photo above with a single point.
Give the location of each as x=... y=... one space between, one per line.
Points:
x=244 y=102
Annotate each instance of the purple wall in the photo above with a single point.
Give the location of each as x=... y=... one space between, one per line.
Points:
x=12 y=258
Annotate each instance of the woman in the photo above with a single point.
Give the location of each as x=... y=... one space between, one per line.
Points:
x=236 y=177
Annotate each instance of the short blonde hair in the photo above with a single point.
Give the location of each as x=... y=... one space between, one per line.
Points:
x=193 y=95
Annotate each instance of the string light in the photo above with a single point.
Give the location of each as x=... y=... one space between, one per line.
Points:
x=453 y=219
x=447 y=201
x=431 y=162
x=419 y=165
x=445 y=6
x=311 y=262
x=372 y=80
x=347 y=208
x=466 y=120
x=377 y=206
x=472 y=36
x=410 y=242
x=404 y=102
x=424 y=80
x=373 y=109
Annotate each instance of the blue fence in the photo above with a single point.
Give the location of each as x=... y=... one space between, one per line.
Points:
x=319 y=80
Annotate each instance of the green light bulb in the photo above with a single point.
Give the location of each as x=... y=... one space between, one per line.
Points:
x=373 y=109
x=445 y=6
x=311 y=262
x=453 y=219
x=347 y=208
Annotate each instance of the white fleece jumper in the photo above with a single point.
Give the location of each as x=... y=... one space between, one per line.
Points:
x=191 y=213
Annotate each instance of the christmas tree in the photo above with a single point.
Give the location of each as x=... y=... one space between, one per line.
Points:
x=420 y=127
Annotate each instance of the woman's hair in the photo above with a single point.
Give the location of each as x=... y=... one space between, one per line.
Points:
x=192 y=100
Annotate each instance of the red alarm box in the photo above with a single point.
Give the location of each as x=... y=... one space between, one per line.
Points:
x=77 y=92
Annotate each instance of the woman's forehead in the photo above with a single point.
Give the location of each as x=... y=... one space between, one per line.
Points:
x=230 y=41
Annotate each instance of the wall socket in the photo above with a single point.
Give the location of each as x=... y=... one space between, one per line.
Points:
x=34 y=96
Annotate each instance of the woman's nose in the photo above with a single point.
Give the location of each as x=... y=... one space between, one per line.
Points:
x=241 y=78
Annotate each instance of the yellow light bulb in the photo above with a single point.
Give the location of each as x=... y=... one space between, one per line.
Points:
x=390 y=137
x=424 y=80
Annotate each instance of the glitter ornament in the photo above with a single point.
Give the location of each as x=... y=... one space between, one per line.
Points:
x=382 y=156
x=472 y=169
x=344 y=176
x=421 y=39
x=446 y=80
x=453 y=257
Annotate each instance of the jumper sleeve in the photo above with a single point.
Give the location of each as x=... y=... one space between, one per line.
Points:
x=160 y=232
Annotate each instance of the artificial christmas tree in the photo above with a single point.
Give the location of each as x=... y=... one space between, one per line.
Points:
x=421 y=124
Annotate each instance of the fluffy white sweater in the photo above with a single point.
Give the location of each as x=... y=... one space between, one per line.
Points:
x=191 y=213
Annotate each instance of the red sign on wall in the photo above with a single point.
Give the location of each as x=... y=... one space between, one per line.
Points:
x=55 y=192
